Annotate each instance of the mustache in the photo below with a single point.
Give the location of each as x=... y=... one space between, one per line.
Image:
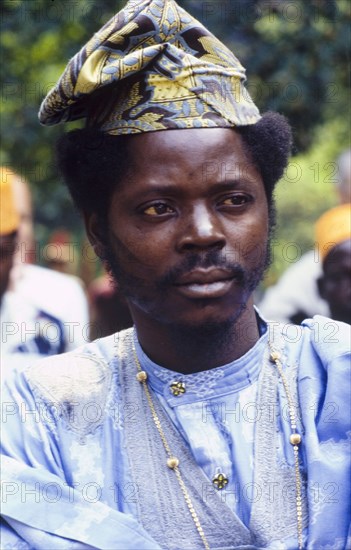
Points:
x=214 y=259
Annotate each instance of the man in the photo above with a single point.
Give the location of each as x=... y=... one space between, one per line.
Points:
x=333 y=235
x=186 y=431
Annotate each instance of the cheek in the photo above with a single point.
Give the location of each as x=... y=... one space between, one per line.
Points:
x=255 y=252
x=138 y=251
x=250 y=241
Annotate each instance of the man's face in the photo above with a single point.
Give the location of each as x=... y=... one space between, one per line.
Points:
x=188 y=227
x=7 y=250
x=335 y=284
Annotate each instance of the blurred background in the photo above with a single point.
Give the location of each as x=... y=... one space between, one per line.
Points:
x=296 y=54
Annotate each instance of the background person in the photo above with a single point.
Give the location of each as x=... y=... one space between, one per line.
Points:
x=295 y=296
x=333 y=236
x=42 y=312
x=27 y=332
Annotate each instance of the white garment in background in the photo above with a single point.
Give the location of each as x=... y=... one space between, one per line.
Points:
x=27 y=333
x=296 y=291
x=59 y=295
x=44 y=313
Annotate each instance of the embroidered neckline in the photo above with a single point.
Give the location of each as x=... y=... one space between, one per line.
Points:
x=216 y=382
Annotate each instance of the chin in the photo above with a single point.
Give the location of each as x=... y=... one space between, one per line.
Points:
x=210 y=321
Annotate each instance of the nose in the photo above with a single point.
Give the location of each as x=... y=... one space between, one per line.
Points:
x=201 y=229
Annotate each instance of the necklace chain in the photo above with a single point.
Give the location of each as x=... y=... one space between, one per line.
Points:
x=173 y=462
x=295 y=440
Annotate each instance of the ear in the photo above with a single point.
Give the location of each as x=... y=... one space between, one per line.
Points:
x=93 y=232
x=321 y=287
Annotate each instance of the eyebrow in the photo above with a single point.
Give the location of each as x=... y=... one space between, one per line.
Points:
x=171 y=188
x=231 y=183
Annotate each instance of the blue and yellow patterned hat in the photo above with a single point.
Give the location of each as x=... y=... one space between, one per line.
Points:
x=152 y=67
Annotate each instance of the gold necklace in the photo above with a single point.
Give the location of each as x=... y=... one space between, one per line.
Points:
x=295 y=440
x=173 y=461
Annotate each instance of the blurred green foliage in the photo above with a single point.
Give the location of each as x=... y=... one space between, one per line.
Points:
x=297 y=58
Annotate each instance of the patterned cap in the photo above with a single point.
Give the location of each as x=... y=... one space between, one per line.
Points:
x=332 y=228
x=152 y=67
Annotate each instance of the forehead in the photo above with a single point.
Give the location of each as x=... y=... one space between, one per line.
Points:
x=205 y=152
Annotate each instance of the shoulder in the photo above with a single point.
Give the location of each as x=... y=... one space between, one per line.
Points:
x=14 y=308
x=75 y=391
x=326 y=337
x=319 y=346
x=82 y=375
x=325 y=383
x=329 y=339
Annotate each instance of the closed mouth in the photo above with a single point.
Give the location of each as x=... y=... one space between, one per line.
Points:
x=205 y=277
x=205 y=284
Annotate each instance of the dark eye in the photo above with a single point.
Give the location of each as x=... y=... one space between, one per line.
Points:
x=158 y=209
x=239 y=199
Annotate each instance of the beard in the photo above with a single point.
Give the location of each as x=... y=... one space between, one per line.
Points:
x=137 y=290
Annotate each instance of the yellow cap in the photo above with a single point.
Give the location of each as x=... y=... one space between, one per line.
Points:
x=332 y=228
x=9 y=217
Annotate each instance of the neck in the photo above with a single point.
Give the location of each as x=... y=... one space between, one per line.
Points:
x=192 y=349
